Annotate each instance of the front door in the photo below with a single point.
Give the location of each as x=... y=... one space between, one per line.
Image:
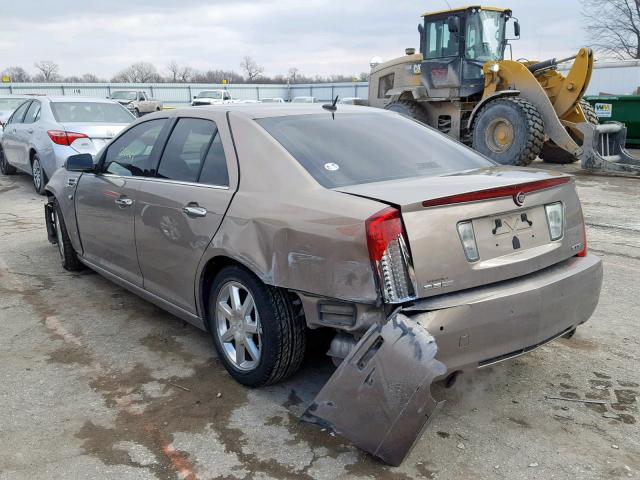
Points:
x=106 y=201
x=180 y=209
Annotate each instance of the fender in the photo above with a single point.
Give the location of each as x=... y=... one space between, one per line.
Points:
x=62 y=186
x=485 y=100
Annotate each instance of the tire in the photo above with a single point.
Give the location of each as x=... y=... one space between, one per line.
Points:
x=136 y=112
x=551 y=153
x=68 y=255
x=408 y=108
x=510 y=131
x=274 y=330
x=5 y=168
x=38 y=175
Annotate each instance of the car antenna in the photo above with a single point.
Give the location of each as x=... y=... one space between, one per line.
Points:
x=331 y=107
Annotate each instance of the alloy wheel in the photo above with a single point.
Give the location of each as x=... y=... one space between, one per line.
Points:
x=59 y=236
x=37 y=174
x=238 y=326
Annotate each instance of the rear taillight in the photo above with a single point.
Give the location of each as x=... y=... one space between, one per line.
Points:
x=390 y=256
x=60 y=137
x=583 y=252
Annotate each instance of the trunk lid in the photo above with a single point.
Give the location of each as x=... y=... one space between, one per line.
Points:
x=512 y=239
x=99 y=134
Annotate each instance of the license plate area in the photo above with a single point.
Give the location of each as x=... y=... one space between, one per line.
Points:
x=510 y=232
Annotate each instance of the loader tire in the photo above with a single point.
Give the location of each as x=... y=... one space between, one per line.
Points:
x=510 y=131
x=551 y=153
x=410 y=109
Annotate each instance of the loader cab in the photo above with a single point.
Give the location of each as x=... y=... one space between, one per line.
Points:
x=455 y=44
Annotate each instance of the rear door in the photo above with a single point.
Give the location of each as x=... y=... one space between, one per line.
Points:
x=27 y=132
x=106 y=201
x=180 y=210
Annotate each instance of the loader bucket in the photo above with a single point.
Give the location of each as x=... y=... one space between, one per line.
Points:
x=604 y=149
x=380 y=395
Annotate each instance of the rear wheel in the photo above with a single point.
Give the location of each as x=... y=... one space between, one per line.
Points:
x=408 y=108
x=258 y=331
x=38 y=175
x=5 y=168
x=509 y=130
x=551 y=153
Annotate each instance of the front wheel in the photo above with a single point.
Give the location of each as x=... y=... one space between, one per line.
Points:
x=258 y=331
x=136 y=112
x=510 y=131
x=68 y=255
x=38 y=175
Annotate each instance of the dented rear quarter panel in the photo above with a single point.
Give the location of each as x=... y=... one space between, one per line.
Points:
x=290 y=231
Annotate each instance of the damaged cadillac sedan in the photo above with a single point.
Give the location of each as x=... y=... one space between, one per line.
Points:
x=264 y=223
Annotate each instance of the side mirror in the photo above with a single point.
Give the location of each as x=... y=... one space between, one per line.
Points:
x=82 y=162
x=453 y=23
x=421 y=31
x=516 y=28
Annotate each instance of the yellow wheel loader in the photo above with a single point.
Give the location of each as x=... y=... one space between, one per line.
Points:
x=511 y=111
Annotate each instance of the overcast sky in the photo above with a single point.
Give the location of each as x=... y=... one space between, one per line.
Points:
x=316 y=36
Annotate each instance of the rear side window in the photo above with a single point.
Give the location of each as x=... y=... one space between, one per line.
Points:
x=33 y=114
x=353 y=148
x=90 y=112
x=131 y=154
x=214 y=169
x=18 y=115
x=186 y=149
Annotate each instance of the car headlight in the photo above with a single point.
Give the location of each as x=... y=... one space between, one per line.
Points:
x=555 y=219
x=495 y=68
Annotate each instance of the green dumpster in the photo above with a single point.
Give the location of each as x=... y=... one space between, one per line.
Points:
x=621 y=108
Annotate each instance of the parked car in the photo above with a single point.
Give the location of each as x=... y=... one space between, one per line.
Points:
x=212 y=97
x=8 y=103
x=304 y=100
x=272 y=100
x=263 y=223
x=45 y=130
x=353 y=101
x=136 y=101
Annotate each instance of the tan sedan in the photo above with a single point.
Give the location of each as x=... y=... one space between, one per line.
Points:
x=263 y=223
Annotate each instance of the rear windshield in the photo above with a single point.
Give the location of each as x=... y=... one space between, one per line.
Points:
x=89 y=112
x=124 y=95
x=349 y=148
x=214 y=95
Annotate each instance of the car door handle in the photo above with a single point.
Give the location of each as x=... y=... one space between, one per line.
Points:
x=195 y=211
x=30 y=130
x=124 y=202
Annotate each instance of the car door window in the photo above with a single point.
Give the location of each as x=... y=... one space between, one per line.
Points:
x=18 y=115
x=214 y=169
x=186 y=149
x=33 y=113
x=131 y=154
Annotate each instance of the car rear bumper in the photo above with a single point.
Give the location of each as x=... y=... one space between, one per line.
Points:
x=485 y=325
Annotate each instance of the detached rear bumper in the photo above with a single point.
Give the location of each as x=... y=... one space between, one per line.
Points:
x=485 y=325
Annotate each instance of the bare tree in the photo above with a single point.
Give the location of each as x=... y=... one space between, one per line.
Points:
x=139 y=72
x=293 y=74
x=48 y=70
x=614 y=26
x=16 y=74
x=251 y=69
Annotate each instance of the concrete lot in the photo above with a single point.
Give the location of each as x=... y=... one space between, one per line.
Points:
x=96 y=383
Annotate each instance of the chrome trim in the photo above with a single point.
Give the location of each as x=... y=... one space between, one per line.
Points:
x=165 y=180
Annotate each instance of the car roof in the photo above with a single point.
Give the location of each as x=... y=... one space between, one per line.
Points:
x=11 y=95
x=264 y=110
